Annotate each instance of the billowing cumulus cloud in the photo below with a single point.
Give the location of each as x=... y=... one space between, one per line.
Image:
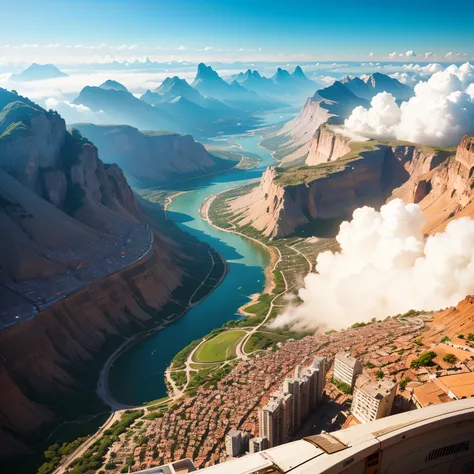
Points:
x=380 y=120
x=440 y=113
x=410 y=54
x=385 y=267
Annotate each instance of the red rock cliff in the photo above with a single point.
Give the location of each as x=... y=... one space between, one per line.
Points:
x=288 y=199
x=444 y=189
x=327 y=145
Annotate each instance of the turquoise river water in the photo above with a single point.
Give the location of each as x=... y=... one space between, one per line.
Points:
x=138 y=374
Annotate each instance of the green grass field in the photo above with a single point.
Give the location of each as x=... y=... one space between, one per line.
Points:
x=262 y=341
x=219 y=348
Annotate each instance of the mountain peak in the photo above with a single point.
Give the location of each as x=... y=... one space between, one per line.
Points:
x=281 y=74
x=298 y=72
x=111 y=84
x=206 y=72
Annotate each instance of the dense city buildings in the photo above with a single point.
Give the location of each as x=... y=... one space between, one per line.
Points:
x=236 y=443
x=372 y=399
x=346 y=368
x=289 y=406
x=196 y=427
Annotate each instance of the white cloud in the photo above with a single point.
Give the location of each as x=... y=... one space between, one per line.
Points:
x=448 y=55
x=410 y=54
x=385 y=267
x=440 y=113
x=404 y=77
x=126 y=47
x=73 y=113
x=181 y=48
x=393 y=54
x=428 y=54
x=325 y=80
x=429 y=69
x=208 y=48
x=371 y=54
x=414 y=73
x=380 y=120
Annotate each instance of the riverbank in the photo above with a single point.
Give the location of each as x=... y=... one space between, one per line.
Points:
x=102 y=389
x=272 y=251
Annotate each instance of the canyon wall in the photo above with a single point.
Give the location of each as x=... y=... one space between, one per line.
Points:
x=338 y=184
x=330 y=105
x=153 y=158
x=81 y=267
x=326 y=145
x=41 y=359
x=294 y=139
x=269 y=208
x=443 y=191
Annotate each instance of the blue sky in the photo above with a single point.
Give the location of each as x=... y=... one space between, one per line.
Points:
x=232 y=30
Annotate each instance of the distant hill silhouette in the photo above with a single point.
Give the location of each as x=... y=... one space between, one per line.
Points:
x=38 y=72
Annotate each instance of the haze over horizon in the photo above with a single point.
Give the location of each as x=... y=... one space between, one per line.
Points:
x=183 y=30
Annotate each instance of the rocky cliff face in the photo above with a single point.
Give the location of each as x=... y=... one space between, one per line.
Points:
x=295 y=137
x=326 y=145
x=330 y=105
x=270 y=208
x=27 y=150
x=286 y=200
x=442 y=187
x=42 y=358
x=78 y=266
x=153 y=158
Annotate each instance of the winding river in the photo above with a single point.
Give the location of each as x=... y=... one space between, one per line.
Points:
x=138 y=375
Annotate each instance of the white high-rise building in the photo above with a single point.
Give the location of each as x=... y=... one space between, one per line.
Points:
x=270 y=421
x=258 y=444
x=319 y=365
x=372 y=399
x=293 y=386
x=346 y=368
x=290 y=406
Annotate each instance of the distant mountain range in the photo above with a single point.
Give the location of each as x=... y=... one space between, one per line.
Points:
x=38 y=72
x=374 y=84
x=330 y=105
x=209 y=83
x=292 y=87
x=207 y=107
x=122 y=107
x=211 y=105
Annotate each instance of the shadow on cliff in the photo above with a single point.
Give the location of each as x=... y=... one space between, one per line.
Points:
x=324 y=228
